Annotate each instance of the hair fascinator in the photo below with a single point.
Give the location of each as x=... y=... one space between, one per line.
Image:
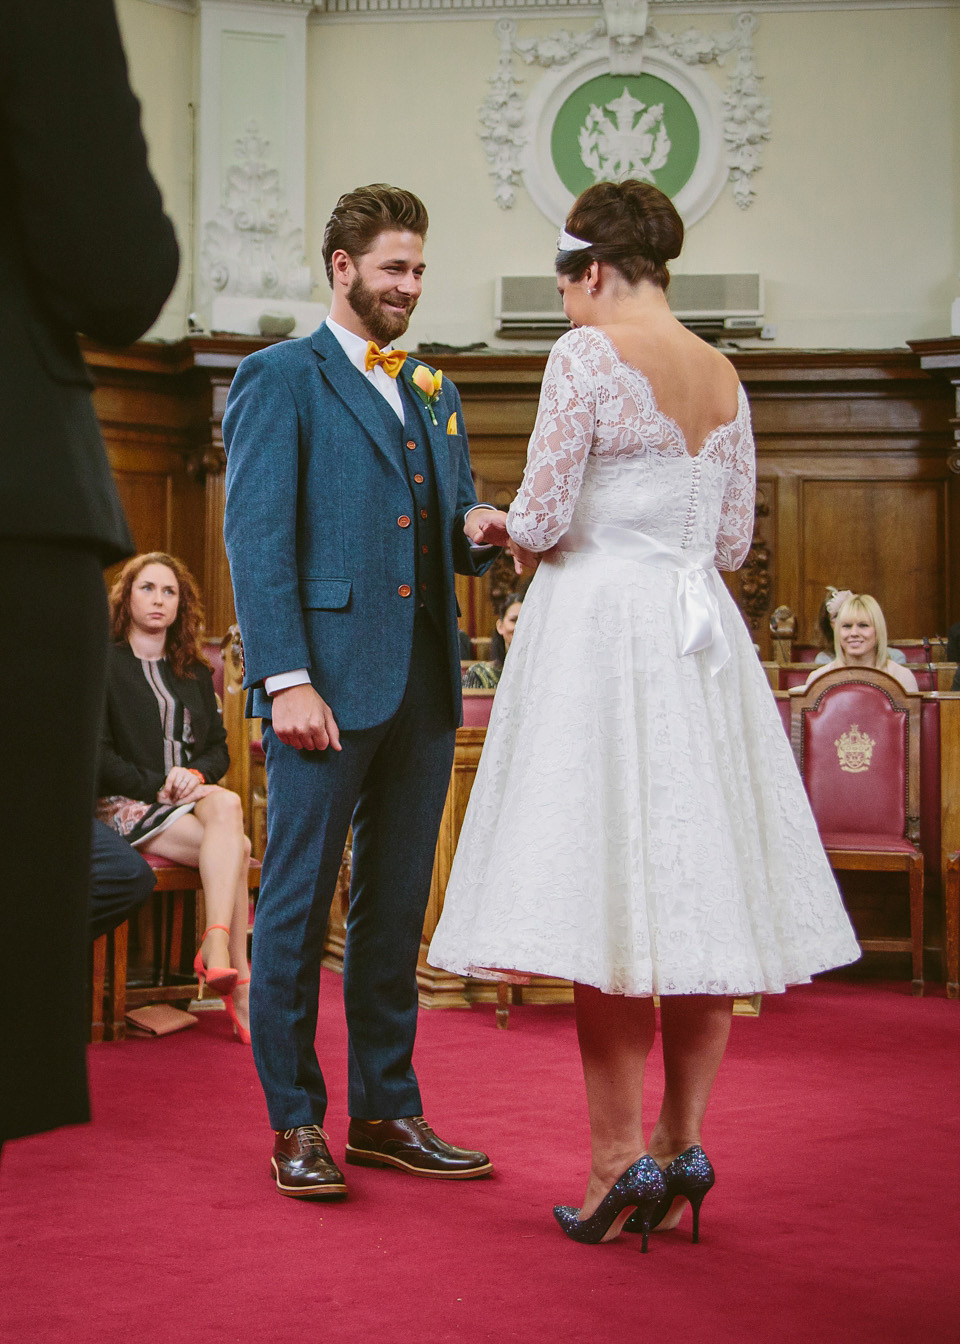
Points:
x=836 y=600
x=566 y=242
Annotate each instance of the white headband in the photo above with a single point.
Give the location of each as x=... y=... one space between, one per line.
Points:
x=567 y=243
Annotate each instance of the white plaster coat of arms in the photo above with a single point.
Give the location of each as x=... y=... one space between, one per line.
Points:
x=632 y=143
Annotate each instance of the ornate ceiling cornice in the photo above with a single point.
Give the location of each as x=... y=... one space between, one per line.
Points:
x=386 y=10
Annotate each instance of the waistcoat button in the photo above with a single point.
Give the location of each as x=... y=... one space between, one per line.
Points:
x=403 y=521
x=404 y=590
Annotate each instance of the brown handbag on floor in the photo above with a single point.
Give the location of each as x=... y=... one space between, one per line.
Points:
x=159 y=1019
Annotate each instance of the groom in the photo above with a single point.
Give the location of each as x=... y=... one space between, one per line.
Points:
x=349 y=500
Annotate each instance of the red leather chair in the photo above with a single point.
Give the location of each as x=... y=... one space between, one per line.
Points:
x=856 y=737
x=110 y=1000
x=804 y=653
x=791 y=675
x=476 y=708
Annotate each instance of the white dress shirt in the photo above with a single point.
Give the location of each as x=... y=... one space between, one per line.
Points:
x=355 y=349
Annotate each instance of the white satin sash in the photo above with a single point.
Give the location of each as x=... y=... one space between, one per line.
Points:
x=697 y=582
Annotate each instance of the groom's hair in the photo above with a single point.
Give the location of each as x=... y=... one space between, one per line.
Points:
x=361 y=215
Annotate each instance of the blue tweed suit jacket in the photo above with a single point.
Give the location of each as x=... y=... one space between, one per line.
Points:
x=317 y=558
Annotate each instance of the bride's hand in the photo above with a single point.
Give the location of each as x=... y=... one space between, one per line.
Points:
x=522 y=558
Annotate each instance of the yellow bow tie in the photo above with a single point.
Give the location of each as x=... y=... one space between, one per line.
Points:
x=391 y=361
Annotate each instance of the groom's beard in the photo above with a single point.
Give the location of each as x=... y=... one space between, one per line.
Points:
x=383 y=323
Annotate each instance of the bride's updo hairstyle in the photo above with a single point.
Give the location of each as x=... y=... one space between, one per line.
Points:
x=632 y=226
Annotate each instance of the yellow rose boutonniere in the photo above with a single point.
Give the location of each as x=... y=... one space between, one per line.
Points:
x=427 y=386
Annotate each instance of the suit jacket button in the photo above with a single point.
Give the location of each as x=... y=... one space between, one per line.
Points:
x=411 y=444
x=404 y=590
x=403 y=521
x=419 y=480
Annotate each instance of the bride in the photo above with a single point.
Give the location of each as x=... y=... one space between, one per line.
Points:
x=637 y=824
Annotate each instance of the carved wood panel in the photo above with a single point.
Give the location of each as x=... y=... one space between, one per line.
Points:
x=854 y=462
x=881 y=537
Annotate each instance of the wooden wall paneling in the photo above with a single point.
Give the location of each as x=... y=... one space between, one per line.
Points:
x=146 y=422
x=861 y=417
x=873 y=419
x=756 y=581
x=879 y=536
x=209 y=466
x=190 y=530
x=500 y=395
x=949 y=773
x=940 y=360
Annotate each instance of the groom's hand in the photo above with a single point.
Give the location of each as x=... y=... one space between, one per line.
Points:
x=301 y=718
x=486 y=527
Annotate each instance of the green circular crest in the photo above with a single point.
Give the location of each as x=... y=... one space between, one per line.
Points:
x=618 y=126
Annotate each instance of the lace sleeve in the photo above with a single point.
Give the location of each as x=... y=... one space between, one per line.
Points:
x=736 y=513
x=558 y=451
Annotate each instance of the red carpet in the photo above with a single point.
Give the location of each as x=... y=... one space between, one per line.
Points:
x=835 y=1216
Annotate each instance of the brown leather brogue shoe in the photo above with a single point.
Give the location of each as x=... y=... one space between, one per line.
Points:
x=302 y=1165
x=411 y=1145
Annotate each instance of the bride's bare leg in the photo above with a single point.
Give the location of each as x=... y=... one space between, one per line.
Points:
x=694 y=1030
x=615 y=1035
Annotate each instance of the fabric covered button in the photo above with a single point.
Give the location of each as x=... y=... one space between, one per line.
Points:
x=404 y=590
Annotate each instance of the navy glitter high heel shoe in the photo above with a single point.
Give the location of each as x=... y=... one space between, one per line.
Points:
x=688 y=1176
x=641 y=1188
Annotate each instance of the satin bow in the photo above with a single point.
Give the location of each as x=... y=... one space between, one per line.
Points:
x=698 y=583
x=391 y=361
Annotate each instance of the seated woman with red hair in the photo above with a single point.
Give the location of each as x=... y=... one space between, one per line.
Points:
x=163 y=749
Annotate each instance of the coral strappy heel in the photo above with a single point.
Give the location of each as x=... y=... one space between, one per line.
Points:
x=221 y=979
x=239 y=1030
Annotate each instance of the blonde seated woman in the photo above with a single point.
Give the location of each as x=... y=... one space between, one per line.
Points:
x=860 y=640
x=163 y=748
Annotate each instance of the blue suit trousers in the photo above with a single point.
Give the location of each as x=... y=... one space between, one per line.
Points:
x=391 y=782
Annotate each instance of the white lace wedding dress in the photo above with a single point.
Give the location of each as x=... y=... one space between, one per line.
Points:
x=637 y=821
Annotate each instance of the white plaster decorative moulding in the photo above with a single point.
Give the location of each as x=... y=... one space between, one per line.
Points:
x=252 y=247
x=541 y=178
x=250 y=180
x=352 y=11
x=733 y=125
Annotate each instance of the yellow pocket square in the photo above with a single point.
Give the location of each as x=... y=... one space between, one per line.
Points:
x=452 y=424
